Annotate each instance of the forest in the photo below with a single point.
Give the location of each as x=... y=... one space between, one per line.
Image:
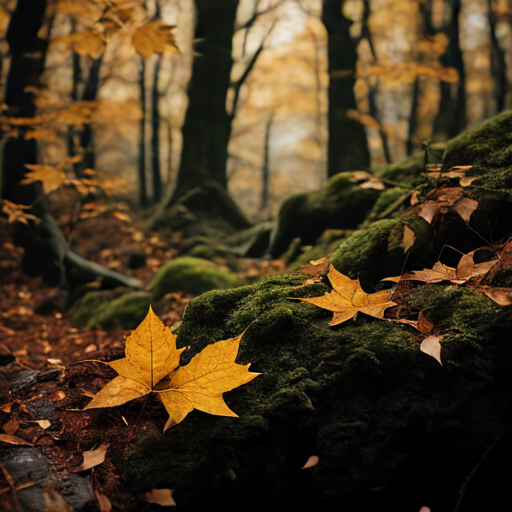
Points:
x=255 y=254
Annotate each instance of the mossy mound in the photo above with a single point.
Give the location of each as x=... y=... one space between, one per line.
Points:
x=408 y=170
x=341 y=204
x=361 y=396
x=191 y=275
x=111 y=309
x=207 y=207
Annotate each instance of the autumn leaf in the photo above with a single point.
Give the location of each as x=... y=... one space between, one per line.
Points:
x=449 y=199
x=152 y=364
x=88 y=42
x=431 y=346
x=51 y=177
x=466 y=269
x=18 y=212
x=348 y=298
x=154 y=37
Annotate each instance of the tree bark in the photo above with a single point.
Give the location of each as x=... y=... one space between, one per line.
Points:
x=143 y=194
x=46 y=251
x=207 y=124
x=451 y=119
x=155 y=136
x=347 y=147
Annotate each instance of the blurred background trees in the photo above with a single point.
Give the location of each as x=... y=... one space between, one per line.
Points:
x=265 y=98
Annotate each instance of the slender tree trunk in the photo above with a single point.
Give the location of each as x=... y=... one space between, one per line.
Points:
x=155 y=136
x=498 y=63
x=143 y=195
x=90 y=94
x=77 y=76
x=451 y=119
x=207 y=125
x=374 y=110
x=266 y=164
x=347 y=147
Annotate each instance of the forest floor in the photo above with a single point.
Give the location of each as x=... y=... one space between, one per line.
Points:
x=43 y=392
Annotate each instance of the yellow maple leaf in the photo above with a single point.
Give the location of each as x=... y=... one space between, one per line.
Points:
x=51 y=177
x=348 y=298
x=154 y=37
x=88 y=42
x=17 y=212
x=152 y=364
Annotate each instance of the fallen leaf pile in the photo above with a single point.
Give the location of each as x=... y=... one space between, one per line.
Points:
x=348 y=299
x=152 y=364
x=441 y=201
x=466 y=270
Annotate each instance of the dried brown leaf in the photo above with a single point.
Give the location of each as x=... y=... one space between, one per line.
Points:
x=92 y=458
x=161 y=497
x=6 y=438
x=502 y=296
x=432 y=347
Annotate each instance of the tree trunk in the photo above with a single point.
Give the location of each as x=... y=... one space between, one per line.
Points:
x=347 y=149
x=143 y=195
x=498 y=63
x=207 y=125
x=155 y=136
x=451 y=119
x=266 y=164
x=46 y=251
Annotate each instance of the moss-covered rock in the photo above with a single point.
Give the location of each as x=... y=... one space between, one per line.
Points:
x=191 y=275
x=111 y=309
x=408 y=170
x=361 y=396
x=341 y=204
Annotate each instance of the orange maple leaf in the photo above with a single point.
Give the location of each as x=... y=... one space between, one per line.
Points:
x=348 y=298
x=152 y=365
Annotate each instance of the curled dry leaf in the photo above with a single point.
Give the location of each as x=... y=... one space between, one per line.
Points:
x=466 y=269
x=161 y=497
x=6 y=438
x=311 y=462
x=348 y=298
x=92 y=458
x=408 y=239
x=44 y=424
x=152 y=364
x=369 y=180
x=502 y=296
x=466 y=181
x=432 y=347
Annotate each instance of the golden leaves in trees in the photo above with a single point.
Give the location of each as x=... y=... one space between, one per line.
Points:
x=348 y=298
x=88 y=42
x=408 y=72
x=154 y=37
x=18 y=212
x=152 y=364
x=51 y=177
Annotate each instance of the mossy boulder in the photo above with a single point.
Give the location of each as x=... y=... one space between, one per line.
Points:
x=111 y=309
x=191 y=275
x=362 y=397
x=205 y=208
x=341 y=204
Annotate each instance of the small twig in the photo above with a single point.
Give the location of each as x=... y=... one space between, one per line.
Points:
x=12 y=485
x=484 y=456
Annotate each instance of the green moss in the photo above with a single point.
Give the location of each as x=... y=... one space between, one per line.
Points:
x=206 y=252
x=365 y=253
x=192 y=275
x=408 y=170
x=362 y=394
x=110 y=310
x=385 y=201
x=341 y=204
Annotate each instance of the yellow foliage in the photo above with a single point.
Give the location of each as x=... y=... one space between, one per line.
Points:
x=88 y=42
x=51 y=177
x=18 y=212
x=152 y=364
x=154 y=37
